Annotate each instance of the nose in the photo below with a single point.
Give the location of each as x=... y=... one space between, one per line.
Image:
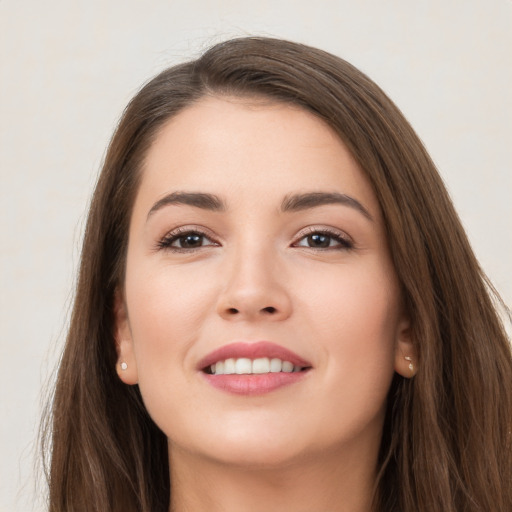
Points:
x=254 y=288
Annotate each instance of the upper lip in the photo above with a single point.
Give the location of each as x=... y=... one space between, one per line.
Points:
x=252 y=350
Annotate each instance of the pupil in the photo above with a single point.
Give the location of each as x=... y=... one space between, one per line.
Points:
x=319 y=240
x=191 y=240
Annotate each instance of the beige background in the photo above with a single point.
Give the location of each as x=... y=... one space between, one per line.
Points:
x=67 y=68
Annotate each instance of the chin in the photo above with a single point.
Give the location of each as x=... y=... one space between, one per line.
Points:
x=247 y=446
x=257 y=455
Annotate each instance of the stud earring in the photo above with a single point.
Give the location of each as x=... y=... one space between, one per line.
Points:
x=124 y=366
x=411 y=366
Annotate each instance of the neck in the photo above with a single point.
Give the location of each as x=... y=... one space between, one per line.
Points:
x=305 y=485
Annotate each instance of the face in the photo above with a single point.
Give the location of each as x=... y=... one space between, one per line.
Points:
x=261 y=314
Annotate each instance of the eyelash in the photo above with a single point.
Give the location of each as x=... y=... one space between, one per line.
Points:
x=166 y=242
x=343 y=242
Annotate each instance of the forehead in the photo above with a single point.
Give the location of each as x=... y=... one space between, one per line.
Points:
x=250 y=148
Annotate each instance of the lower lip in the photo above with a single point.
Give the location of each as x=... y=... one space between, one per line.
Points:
x=254 y=384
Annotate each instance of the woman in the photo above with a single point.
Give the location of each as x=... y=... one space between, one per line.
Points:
x=277 y=307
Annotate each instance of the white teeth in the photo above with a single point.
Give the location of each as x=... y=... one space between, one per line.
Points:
x=242 y=366
x=261 y=365
x=229 y=366
x=287 y=367
x=246 y=366
x=276 y=365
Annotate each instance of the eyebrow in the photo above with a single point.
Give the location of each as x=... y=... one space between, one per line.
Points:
x=291 y=203
x=298 y=202
x=197 y=199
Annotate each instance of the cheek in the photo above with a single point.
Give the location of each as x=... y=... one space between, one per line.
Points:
x=166 y=309
x=353 y=303
x=356 y=317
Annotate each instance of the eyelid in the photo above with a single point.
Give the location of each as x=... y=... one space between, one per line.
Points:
x=164 y=243
x=346 y=241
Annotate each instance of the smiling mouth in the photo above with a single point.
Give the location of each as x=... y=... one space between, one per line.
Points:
x=258 y=366
x=253 y=368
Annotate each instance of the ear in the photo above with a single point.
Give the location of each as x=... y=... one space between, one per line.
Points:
x=126 y=365
x=406 y=357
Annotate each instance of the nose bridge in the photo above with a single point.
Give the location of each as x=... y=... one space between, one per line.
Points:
x=253 y=286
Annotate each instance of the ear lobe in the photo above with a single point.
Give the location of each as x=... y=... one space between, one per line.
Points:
x=406 y=358
x=126 y=365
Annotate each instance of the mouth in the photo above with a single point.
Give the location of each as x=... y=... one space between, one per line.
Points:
x=259 y=366
x=253 y=368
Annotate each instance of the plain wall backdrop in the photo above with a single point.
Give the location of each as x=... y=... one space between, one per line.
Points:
x=67 y=69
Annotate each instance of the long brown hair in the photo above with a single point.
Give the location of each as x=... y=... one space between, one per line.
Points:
x=446 y=443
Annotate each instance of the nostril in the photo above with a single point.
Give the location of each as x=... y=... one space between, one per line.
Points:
x=232 y=311
x=269 y=309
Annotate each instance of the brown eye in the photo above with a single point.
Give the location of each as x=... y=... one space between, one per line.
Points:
x=324 y=240
x=183 y=241
x=190 y=241
x=318 y=240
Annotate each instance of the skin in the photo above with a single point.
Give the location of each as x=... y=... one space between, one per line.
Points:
x=254 y=276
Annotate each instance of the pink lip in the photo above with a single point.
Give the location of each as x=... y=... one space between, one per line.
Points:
x=250 y=385
x=253 y=384
x=251 y=351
